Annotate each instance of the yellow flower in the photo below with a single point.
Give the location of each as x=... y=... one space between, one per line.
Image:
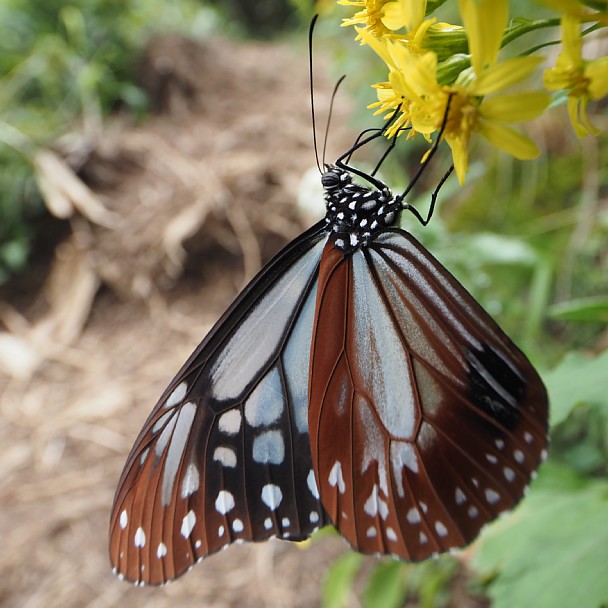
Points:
x=584 y=80
x=478 y=103
x=408 y=14
x=370 y=16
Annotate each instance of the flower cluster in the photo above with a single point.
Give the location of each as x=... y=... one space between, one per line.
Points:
x=450 y=79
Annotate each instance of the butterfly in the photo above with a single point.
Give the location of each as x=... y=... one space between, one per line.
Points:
x=353 y=382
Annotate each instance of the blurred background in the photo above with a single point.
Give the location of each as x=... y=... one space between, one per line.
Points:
x=153 y=156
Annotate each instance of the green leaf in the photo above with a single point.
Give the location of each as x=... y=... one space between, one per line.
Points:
x=577 y=379
x=552 y=551
x=500 y=249
x=338 y=584
x=584 y=310
x=386 y=586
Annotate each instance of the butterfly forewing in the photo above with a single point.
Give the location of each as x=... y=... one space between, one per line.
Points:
x=425 y=420
x=225 y=456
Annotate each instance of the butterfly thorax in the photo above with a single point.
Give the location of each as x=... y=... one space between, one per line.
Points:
x=354 y=212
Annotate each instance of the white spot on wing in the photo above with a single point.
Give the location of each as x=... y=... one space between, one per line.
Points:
x=266 y=402
x=460 y=497
x=177 y=395
x=224 y=502
x=312 y=484
x=374 y=504
x=391 y=534
x=269 y=448
x=402 y=454
x=473 y=512
x=230 y=422
x=491 y=458
x=314 y=517
x=188 y=524
x=335 y=477
x=140 y=538
x=124 y=519
x=144 y=455
x=237 y=525
x=509 y=473
x=225 y=456
x=161 y=551
x=371 y=532
x=519 y=456
x=191 y=481
x=413 y=516
x=492 y=496
x=440 y=528
x=268 y=523
x=160 y=423
x=175 y=451
x=285 y=522
x=220 y=531
x=499 y=443
x=272 y=496
x=528 y=437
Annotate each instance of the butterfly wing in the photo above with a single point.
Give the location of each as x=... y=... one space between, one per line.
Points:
x=225 y=456
x=425 y=420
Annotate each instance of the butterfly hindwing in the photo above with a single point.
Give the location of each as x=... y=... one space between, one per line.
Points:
x=225 y=457
x=425 y=420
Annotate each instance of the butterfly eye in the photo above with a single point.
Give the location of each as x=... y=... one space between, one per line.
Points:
x=330 y=180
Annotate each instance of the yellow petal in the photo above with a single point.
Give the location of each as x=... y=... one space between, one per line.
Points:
x=484 y=22
x=510 y=141
x=577 y=109
x=558 y=77
x=381 y=47
x=403 y=13
x=516 y=107
x=597 y=73
x=571 y=38
x=392 y=16
x=504 y=74
x=460 y=157
x=420 y=72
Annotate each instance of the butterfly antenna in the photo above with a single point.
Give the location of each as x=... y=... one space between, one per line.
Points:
x=331 y=109
x=312 y=90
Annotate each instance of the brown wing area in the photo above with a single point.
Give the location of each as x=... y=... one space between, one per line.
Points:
x=224 y=456
x=426 y=421
x=197 y=481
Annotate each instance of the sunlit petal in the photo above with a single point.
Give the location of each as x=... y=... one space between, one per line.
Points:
x=571 y=38
x=403 y=13
x=379 y=46
x=484 y=21
x=510 y=141
x=460 y=157
x=577 y=110
x=516 y=107
x=597 y=73
x=504 y=74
